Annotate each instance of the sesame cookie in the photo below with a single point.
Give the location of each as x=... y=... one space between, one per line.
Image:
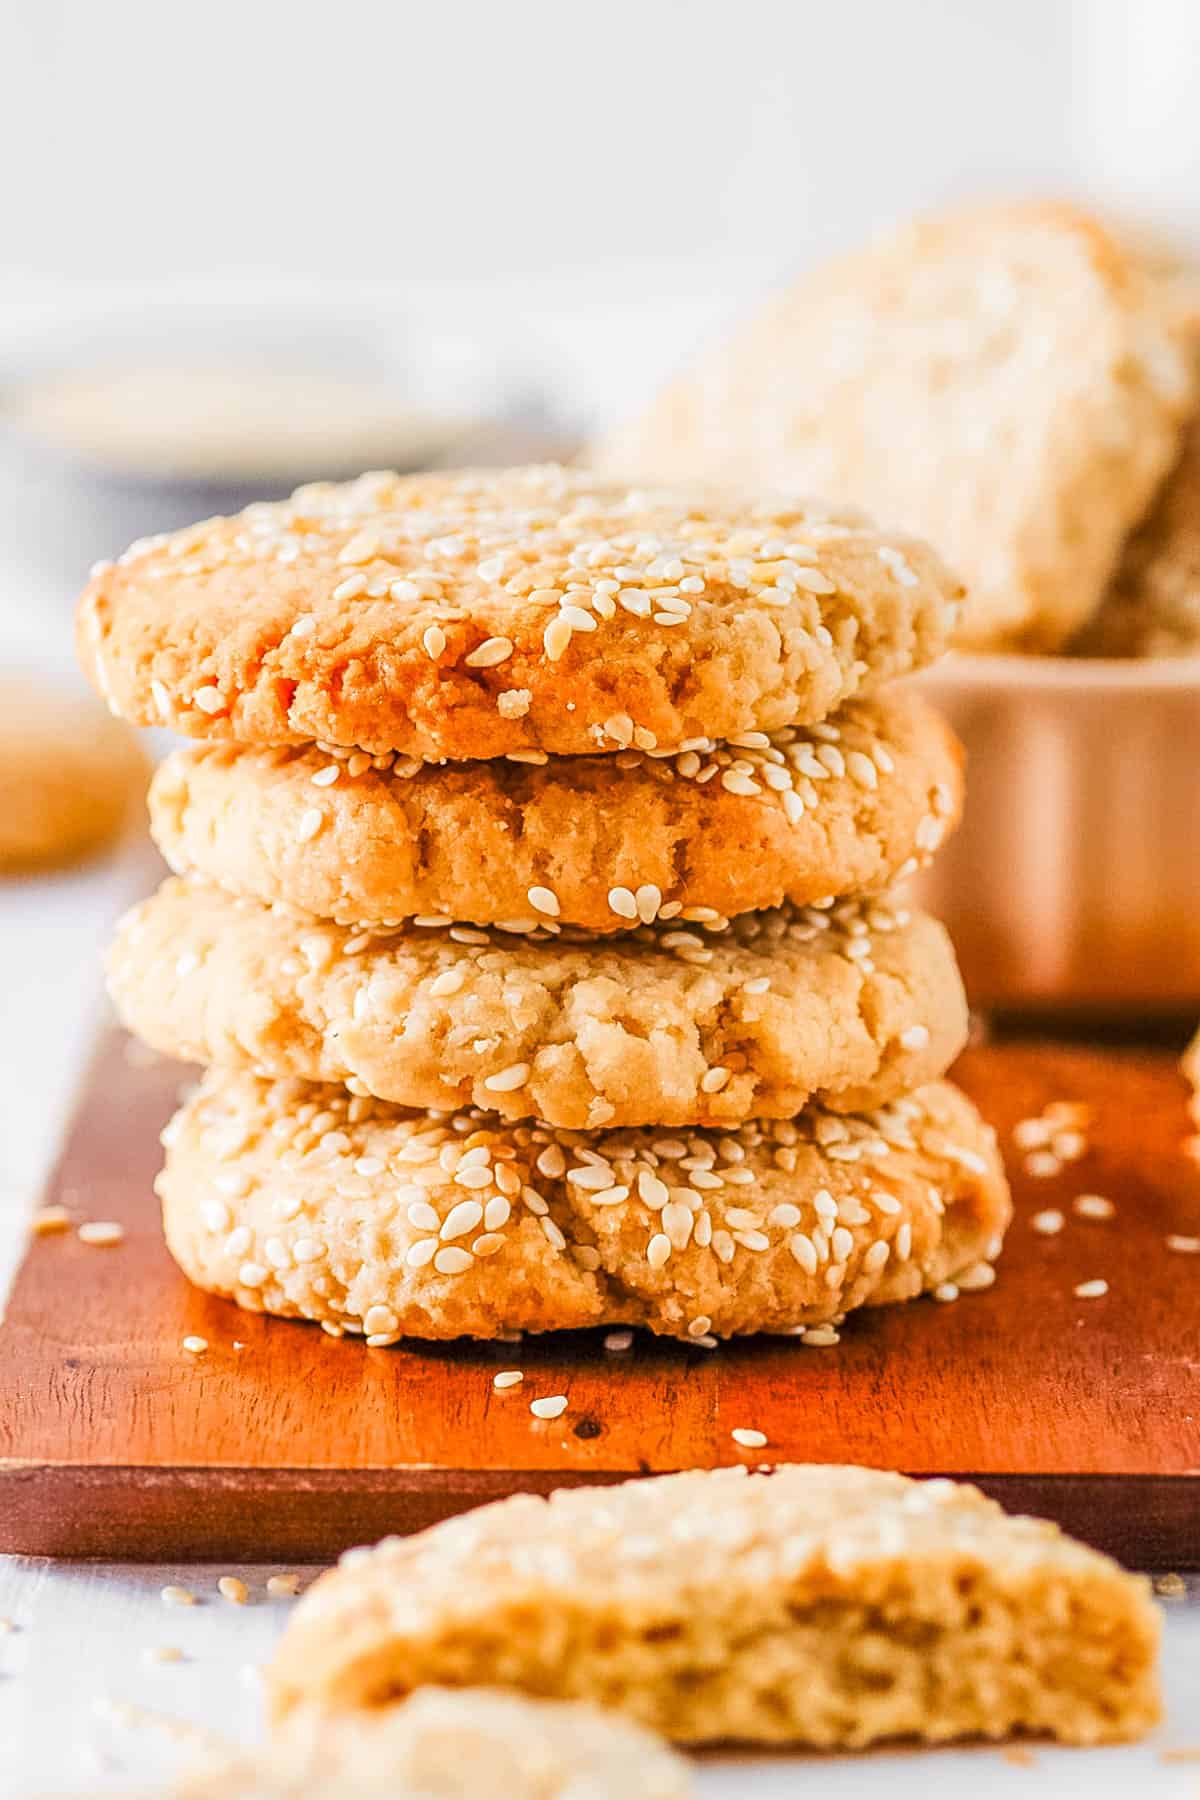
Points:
x=817 y=1605
x=1010 y=380
x=1153 y=605
x=472 y=614
x=850 y=1006
x=312 y=1203
x=602 y=842
x=441 y=1744
x=70 y=777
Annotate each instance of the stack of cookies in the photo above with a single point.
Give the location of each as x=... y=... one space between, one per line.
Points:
x=533 y=908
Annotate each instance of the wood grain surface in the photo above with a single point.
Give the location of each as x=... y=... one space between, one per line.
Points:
x=115 y=1442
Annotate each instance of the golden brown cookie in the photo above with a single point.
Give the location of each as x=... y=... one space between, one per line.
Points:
x=850 y=1006
x=70 y=777
x=480 y=1744
x=843 y=807
x=472 y=614
x=1008 y=380
x=1153 y=605
x=814 y=1605
x=312 y=1203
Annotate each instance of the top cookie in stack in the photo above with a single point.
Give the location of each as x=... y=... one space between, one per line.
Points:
x=520 y=800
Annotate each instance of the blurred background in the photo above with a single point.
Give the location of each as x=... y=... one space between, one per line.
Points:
x=250 y=242
x=254 y=243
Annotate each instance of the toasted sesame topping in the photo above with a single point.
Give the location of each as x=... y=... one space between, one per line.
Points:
x=1090 y=1290
x=234 y=1590
x=508 y=1378
x=1185 y=1246
x=178 y=1596
x=195 y=1346
x=283 y=1587
x=1049 y=1222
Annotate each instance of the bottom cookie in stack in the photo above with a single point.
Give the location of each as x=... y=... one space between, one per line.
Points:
x=307 y=1201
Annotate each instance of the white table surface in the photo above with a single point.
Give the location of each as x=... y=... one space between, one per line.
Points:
x=84 y=1708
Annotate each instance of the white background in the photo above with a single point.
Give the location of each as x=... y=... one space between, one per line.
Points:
x=602 y=184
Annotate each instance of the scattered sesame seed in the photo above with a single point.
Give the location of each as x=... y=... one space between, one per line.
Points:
x=748 y=1438
x=1170 y=1586
x=617 y=1341
x=552 y=1407
x=1090 y=1290
x=178 y=1596
x=544 y=900
x=1048 y=1222
x=283 y=1587
x=311 y=822
x=196 y=1346
x=162 y=1653
x=1093 y=1206
x=1186 y=1246
x=508 y=1378
x=209 y=699
x=622 y=902
x=232 y=1589
x=946 y=1292
x=101 y=1233
x=1042 y=1165
x=50 y=1219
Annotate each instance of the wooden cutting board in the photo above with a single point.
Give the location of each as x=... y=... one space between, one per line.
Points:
x=115 y=1442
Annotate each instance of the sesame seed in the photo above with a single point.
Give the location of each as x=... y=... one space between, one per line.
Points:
x=552 y=1407
x=556 y=637
x=453 y=1260
x=379 y=1320
x=616 y=1342
x=311 y=822
x=1042 y=1165
x=50 y=1219
x=1093 y=1206
x=820 y=1337
x=101 y=1233
x=748 y=1438
x=508 y=1378
x=946 y=1292
x=1049 y=1222
x=283 y=1587
x=433 y=640
x=209 y=699
x=327 y=776
x=622 y=902
x=713 y=1080
x=177 y=1596
x=1185 y=1246
x=460 y=1220
x=196 y=1346
x=658 y=1250
x=253 y=1275
x=1090 y=1290
x=162 y=1653
x=233 y=1590
x=544 y=900
x=492 y=651
x=506 y=1080
x=914 y=1037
